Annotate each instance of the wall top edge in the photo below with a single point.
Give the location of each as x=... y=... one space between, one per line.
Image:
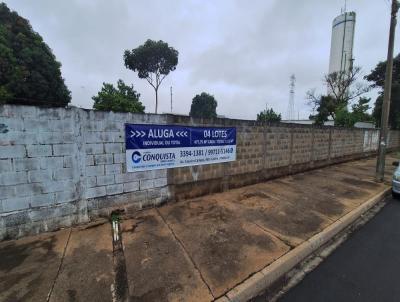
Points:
x=169 y=118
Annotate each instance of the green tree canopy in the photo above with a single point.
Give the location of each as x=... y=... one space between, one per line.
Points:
x=204 y=106
x=326 y=107
x=360 y=110
x=269 y=115
x=121 y=99
x=394 y=113
x=153 y=61
x=344 y=118
x=359 y=113
x=377 y=77
x=29 y=72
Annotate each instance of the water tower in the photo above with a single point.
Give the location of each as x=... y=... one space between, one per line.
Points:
x=341 y=56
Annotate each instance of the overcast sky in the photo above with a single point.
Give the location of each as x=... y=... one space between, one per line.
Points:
x=242 y=52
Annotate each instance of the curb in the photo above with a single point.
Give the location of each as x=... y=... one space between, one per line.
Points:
x=263 y=279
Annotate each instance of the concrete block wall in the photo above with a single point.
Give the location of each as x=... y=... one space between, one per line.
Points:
x=347 y=142
x=301 y=145
x=40 y=182
x=282 y=149
x=371 y=138
x=60 y=167
x=321 y=144
x=278 y=142
x=105 y=168
x=250 y=148
x=394 y=139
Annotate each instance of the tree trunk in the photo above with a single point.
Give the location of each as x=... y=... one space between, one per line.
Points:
x=156 y=99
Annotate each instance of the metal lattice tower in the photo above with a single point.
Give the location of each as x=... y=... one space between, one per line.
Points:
x=290 y=112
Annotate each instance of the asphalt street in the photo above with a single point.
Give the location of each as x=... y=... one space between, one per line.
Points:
x=365 y=268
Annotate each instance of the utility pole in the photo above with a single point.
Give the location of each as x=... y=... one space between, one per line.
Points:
x=170 y=89
x=380 y=164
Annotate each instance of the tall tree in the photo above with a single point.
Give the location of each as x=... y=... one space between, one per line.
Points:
x=377 y=77
x=204 y=106
x=153 y=61
x=359 y=113
x=343 y=88
x=360 y=110
x=269 y=115
x=326 y=107
x=394 y=113
x=29 y=72
x=121 y=99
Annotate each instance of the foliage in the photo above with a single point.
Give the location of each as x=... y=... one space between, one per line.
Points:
x=203 y=106
x=121 y=99
x=394 y=113
x=153 y=61
x=344 y=117
x=4 y=95
x=377 y=77
x=360 y=110
x=29 y=72
x=359 y=113
x=326 y=106
x=343 y=88
x=269 y=115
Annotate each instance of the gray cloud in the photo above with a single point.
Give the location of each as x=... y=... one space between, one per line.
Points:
x=243 y=52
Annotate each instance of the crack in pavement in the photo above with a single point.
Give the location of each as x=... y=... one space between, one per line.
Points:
x=59 y=267
x=285 y=241
x=186 y=252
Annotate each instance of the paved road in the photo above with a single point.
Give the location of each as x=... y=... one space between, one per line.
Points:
x=365 y=268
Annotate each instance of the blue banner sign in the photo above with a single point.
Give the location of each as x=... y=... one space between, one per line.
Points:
x=151 y=147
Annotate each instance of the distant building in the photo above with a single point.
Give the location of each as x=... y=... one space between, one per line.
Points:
x=307 y=122
x=341 y=56
x=369 y=125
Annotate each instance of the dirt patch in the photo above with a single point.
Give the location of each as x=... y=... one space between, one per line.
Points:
x=14 y=253
x=144 y=221
x=200 y=209
x=260 y=194
x=22 y=263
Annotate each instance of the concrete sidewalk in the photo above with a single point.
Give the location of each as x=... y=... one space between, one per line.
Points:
x=195 y=250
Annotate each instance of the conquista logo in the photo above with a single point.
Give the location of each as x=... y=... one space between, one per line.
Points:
x=136 y=157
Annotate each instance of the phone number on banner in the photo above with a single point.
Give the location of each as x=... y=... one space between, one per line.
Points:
x=149 y=159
